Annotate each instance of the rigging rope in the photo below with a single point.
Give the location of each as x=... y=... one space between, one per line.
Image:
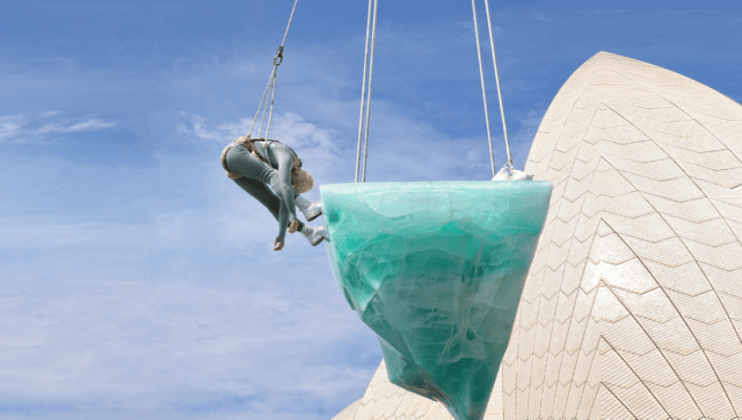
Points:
x=270 y=89
x=369 y=57
x=499 y=91
x=270 y=115
x=368 y=69
x=484 y=90
x=370 y=83
x=363 y=90
x=267 y=88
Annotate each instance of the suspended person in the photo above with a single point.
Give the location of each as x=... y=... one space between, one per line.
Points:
x=255 y=164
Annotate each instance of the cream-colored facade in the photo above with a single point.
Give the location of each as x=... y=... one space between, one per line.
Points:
x=633 y=304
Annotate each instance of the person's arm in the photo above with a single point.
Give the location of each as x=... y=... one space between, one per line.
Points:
x=285 y=190
x=283 y=222
x=281 y=184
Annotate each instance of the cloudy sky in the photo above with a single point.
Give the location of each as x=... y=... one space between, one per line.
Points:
x=137 y=281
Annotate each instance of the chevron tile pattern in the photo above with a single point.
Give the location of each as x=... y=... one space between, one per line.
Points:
x=386 y=401
x=633 y=305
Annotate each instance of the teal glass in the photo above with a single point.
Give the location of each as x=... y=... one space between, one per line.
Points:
x=436 y=269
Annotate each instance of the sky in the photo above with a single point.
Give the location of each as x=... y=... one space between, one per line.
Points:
x=138 y=281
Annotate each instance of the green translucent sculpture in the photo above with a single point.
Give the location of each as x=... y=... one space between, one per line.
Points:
x=436 y=269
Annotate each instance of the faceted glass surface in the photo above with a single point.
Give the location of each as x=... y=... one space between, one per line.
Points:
x=436 y=269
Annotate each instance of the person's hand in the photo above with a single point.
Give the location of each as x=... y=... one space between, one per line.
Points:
x=277 y=245
x=293 y=226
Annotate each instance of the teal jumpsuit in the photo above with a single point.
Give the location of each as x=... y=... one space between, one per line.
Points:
x=257 y=176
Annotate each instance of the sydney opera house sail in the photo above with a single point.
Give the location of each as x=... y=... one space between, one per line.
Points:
x=632 y=308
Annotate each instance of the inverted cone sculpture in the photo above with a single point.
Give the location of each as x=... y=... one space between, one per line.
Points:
x=436 y=269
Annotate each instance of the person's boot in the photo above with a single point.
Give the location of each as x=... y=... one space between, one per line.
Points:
x=314 y=234
x=310 y=209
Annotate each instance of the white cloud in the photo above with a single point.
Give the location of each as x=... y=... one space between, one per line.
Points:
x=91 y=124
x=49 y=114
x=10 y=126
x=25 y=128
x=198 y=130
x=27 y=232
x=318 y=147
x=150 y=347
x=290 y=127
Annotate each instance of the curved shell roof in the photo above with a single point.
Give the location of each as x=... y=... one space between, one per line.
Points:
x=633 y=304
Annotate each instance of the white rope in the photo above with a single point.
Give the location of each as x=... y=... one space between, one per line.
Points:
x=271 y=88
x=270 y=79
x=363 y=91
x=270 y=117
x=370 y=83
x=484 y=90
x=499 y=90
x=289 y=25
x=271 y=84
x=369 y=69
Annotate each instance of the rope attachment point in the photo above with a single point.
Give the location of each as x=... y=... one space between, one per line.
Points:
x=279 y=56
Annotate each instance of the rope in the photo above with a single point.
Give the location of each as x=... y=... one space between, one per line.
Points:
x=261 y=103
x=270 y=116
x=289 y=25
x=369 y=57
x=499 y=91
x=270 y=89
x=369 y=69
x=370 y=83
x=484 y=90
x=363 y=91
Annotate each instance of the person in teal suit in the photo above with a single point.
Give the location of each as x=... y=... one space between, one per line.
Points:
x=271 y=173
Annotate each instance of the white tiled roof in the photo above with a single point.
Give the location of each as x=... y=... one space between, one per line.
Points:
x=633 y=305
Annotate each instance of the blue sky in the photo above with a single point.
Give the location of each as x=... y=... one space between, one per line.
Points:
x=136 y=280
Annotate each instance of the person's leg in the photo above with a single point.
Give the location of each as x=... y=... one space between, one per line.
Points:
x=255 y=176
x=301 y=202
x=255 y=187
x=280 y=180
x=261 y=192
x=311 y=209
x=242 y=162
x=314 y=234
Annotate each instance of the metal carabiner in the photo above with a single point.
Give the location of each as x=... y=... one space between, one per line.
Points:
x=279 y=56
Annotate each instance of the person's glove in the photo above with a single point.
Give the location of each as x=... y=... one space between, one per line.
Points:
x=277 y=245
